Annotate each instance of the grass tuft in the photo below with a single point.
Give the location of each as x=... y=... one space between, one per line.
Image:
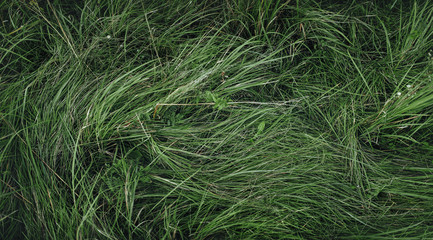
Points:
x=216 y=120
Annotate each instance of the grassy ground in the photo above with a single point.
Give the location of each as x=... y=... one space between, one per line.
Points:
x=216 y=119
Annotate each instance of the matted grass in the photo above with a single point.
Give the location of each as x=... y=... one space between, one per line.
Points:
x=216 y=120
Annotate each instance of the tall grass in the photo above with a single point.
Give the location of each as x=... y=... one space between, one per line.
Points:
x=216 y=120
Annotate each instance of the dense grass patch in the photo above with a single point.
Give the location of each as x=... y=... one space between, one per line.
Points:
x=216 y=120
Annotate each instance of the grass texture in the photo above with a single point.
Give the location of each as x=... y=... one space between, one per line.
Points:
x=234 y=119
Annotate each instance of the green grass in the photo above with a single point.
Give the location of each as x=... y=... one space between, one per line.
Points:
x=216 y=120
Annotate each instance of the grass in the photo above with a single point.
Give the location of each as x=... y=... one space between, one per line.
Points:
x=216 y=120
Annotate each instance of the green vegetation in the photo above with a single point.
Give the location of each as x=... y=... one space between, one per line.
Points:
x=234 y=119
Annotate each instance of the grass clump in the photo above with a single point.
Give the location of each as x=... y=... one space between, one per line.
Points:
x=216 y=120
